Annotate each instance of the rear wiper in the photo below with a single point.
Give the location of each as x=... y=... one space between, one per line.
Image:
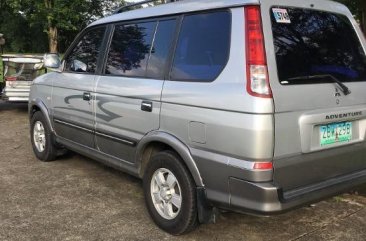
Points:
x=342 y=86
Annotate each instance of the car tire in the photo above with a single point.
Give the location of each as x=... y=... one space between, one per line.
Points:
x=41 y=138
x=170 y=194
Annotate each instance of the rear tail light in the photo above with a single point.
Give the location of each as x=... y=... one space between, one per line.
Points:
x=257 y=71
x=10 y=78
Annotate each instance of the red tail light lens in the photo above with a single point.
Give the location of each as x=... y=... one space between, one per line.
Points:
x=10 y=78
x=257 y=72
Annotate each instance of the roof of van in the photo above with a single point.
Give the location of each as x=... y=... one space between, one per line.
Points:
x=173 y=8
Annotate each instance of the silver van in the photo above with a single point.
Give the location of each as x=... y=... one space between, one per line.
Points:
x=255 y=106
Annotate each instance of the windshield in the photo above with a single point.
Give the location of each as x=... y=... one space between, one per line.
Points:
x=310 y=42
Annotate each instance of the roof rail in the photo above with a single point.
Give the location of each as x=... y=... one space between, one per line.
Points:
x=127 y=7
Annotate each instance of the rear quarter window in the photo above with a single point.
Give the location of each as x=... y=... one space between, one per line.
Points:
x=203 y=47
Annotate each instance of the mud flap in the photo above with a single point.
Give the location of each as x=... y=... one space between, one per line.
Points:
x=206 y=212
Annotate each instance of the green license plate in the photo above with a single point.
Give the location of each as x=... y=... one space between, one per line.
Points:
x=335 y=133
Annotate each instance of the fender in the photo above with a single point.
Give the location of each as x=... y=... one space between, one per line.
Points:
x=177 y=145
x=39 y=103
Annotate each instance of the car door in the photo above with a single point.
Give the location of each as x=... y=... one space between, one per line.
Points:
x=129 y=92
x=73 y=90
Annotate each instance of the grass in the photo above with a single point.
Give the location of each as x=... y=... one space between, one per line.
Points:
x=338 y=199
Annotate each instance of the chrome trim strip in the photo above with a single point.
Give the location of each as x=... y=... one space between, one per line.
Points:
x=125 y=141
x=128 y=142
x=72 y=125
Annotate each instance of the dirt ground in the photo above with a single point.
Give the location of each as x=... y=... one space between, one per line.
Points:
x=75 y=198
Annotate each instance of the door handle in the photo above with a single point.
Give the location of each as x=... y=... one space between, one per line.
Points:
x=87 y=96
x=146 y=106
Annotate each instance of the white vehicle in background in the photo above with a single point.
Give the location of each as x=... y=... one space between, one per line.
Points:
x=19 y=72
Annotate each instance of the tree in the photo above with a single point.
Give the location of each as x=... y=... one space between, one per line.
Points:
x=25 y=22
x=19 y=34
x=358 y=8
x=65 y=15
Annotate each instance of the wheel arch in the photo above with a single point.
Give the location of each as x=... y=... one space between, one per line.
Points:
x=38 y=105
x=158 y=141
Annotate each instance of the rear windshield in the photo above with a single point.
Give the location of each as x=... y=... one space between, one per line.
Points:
x=314 y=46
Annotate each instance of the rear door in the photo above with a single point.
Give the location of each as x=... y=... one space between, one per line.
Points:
x=129 y=92
x=315 y=53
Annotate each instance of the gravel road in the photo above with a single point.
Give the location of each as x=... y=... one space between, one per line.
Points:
x=75 y=198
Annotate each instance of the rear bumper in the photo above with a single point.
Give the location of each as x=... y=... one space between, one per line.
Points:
x=266 y=198
x=229 y=185
x=16 y=94
x=306 y=169
x=15 y=99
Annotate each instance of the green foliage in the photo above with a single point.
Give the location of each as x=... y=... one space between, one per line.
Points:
x=26 y=23
x=19 y=34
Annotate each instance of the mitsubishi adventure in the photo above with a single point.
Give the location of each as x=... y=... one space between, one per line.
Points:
x=254 y=106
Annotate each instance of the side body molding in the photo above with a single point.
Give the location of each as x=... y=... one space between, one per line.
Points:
x=176 y=144
x=40 y=105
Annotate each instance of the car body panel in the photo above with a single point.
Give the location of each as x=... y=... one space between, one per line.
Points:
x=73 y=117
x=118 y=113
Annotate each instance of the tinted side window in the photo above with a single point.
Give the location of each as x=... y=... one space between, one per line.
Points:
x=130 y=48
x=160 y=50
x=203 y=47
x=84 y=56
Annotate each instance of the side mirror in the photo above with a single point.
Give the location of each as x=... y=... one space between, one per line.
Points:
x=78 y=66
x=52 y=61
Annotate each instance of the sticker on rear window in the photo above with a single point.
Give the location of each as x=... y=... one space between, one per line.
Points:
x=281 y=15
